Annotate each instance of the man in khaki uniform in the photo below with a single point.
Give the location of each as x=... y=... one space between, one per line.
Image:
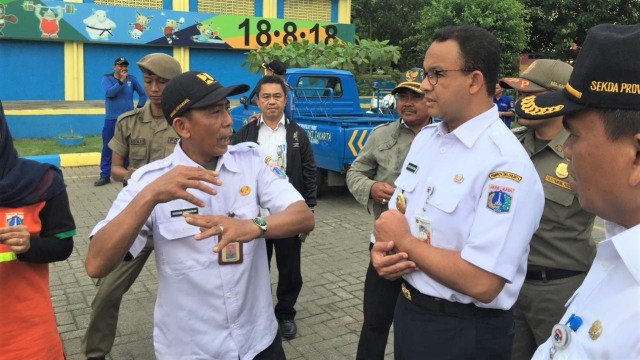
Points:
x=142 y=135
x=370 y=180
x=561 y=250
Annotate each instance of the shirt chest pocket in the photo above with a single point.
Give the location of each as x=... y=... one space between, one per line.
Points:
x=392 y=155
x=138 y=152
x=178 y=251
x=442 y=198
x=557 y=193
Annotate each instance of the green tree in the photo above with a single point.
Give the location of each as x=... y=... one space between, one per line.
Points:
x=391 y=20
x=559 y=24
x=506 y=19
x=358 y=58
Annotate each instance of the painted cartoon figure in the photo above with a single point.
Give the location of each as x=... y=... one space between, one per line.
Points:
x=170 y=28
x=5 y=18
x=49 y=21
x=99 y=26
x=207 y=34
x=139 y=26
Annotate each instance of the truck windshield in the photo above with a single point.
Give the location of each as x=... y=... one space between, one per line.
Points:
x=318 y=86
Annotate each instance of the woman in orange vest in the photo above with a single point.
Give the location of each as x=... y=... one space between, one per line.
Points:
x=36 y=228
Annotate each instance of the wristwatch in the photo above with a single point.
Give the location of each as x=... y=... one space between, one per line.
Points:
x=261 y=224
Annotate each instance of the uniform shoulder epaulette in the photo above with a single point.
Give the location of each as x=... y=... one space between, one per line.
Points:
x=382 y=125
x=245 y=146
x=129 y=113
x=158 y=165
x=519 y=130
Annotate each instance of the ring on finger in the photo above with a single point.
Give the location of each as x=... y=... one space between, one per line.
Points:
x=221 y=229
x=384 y=201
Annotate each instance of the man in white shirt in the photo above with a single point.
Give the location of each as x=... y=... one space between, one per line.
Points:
x=201 y=204
x=601 y=109
x=466 y=204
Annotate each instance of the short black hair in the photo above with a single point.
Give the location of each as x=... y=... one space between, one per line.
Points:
x=619 y=123
x=479 y=49
x=271 y=79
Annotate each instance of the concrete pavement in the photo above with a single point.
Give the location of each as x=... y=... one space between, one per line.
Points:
x=334 y=261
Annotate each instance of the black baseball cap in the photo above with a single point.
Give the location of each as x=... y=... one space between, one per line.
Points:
x=410 y=79
x=277 y=66
x=192 y=90
x=606 y=75
x=121 y=61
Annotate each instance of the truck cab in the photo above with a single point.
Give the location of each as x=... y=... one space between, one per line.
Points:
x=327 y=105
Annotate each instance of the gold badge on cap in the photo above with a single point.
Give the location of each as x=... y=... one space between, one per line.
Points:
x=459 y=178
x=245 y=190
x=562 y=171
x=595 y=330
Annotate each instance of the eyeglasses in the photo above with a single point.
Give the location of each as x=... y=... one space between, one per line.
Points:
x=433 y=74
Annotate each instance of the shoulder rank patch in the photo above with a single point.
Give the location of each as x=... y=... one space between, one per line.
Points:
x=506 y=175
x=499 y=198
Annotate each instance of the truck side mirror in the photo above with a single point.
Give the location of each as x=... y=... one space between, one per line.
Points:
x=243 y=101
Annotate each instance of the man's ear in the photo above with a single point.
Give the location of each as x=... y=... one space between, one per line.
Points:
x=477 y=82
x=635 y=173
x=181 y=126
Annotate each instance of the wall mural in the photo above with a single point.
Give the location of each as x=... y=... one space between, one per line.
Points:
x=59 y=21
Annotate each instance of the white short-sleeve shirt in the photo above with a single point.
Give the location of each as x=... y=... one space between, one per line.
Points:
x=205 y=310
x=608 y=302
x=481 y=195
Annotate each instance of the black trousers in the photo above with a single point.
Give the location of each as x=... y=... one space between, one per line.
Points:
x=274 y=351
x=423 y=334
x=289 y=274
x=379 y=303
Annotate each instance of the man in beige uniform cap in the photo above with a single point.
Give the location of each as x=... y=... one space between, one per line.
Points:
x=561 y=250
x=142 y=135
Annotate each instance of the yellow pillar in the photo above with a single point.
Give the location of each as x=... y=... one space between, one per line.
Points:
x=270 y=8
x=344 y=11
x=73 y=71
x=73 y=68
x=181 y=53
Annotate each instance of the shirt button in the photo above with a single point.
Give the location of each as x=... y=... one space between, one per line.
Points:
x=229 y=295
x=442 y=150
x=234 y=325
x=604 y=265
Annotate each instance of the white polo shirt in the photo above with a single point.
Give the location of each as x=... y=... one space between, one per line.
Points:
x=608 y=302
x=481 y=195
x=204 y=310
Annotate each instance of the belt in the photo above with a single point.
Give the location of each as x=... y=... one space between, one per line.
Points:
x=435 y=304
x=551 y=274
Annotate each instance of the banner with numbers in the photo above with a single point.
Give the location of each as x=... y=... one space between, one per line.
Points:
x=60 y=21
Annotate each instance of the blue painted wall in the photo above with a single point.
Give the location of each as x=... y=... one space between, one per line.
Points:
x=99 y=58
x=28 y=74
x=46 y=126
x=224 y=66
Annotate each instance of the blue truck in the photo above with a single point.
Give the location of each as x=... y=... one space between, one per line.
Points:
x=327 y=105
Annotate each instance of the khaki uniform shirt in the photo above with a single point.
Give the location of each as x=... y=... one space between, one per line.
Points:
x=142 y=139
x=380 y=159
x=563 y=239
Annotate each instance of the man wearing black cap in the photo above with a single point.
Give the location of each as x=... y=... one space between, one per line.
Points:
x=370 y=179
x=118 y=89
x=562 y=249
x=141 y=135
x=201 y=205
x=601 y=109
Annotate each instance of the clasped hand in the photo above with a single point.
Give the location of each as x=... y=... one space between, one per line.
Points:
x=17 y=238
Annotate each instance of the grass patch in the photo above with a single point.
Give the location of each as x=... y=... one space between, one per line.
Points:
x=45 y=146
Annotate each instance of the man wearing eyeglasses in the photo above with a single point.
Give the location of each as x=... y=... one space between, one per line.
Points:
x=370 y=179
x=561 y=250
x=466 y=204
